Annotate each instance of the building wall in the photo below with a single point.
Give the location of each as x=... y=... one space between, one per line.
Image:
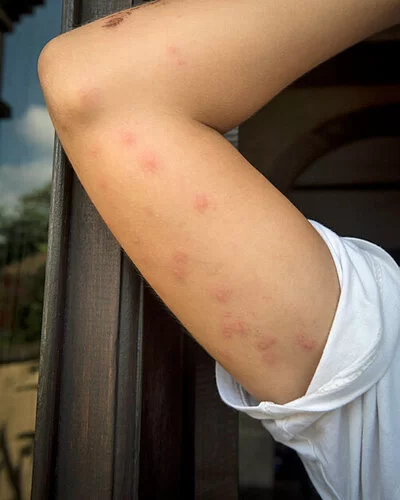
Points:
x=371 y=213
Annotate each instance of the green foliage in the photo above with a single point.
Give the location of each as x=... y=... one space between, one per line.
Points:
x=25 y=231
x=29 y=308
x=23 y=246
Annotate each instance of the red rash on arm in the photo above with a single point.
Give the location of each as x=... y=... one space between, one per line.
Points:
x=179 y=265
x=174 y=53
x=267 y=350
x=128 y=138
x=270 y=358
x=221 y=294
x=149 y=162
x=164 y=76
x=233 y=326
x=201 y=203
x=305 y=343
x=266 y=344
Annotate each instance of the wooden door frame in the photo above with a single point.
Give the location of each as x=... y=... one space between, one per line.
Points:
x=127 y=402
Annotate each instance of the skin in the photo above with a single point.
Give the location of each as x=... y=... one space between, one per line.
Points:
x=141 y=123
x=116 y=19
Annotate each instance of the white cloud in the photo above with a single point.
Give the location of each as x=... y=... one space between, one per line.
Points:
x=36 y=127
x=16 y=180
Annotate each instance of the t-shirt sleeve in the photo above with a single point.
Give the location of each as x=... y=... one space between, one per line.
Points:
x=359 y=348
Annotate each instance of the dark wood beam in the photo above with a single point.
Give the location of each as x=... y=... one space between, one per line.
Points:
x=5 y=21
x=365 y=64
x=5 y=110
x=87 y=425
x=127 y=402
x=14 y=9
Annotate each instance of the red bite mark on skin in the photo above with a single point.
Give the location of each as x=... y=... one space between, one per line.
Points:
x=222 y=294
x=149 y=162
x=270 y=358
x=233 y=326
x=172 y=50
x=267 y=351
x=175 y=54
x=128 y=138
x=305 y=343
x=179 y=265
x=268 y=354
x=201 y=203
x=265 y=344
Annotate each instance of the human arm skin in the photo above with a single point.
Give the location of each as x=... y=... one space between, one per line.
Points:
x=139 y=101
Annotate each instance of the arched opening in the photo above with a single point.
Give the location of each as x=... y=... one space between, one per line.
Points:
x=344 y=173
x=348 y=175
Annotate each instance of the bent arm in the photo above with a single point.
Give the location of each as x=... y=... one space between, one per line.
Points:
x=217 y=60
x=139 y=100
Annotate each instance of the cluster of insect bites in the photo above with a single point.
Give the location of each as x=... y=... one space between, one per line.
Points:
x=232 y=326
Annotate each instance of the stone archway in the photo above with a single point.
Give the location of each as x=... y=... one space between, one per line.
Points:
x=370 y=122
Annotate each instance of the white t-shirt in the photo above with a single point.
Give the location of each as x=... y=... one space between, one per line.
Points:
x=346 y=429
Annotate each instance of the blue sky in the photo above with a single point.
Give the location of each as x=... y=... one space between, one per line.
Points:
x=26 y=140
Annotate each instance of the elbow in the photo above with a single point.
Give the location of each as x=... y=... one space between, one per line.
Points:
x=82 y=86
x=70 y=92
x=46 y=61
x=54 y=81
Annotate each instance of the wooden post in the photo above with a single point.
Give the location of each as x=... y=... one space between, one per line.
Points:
x=127 y=402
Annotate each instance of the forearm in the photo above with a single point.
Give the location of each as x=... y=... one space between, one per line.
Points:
x=205 y=56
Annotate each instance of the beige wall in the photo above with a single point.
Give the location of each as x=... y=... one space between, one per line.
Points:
x=369 y=214
x=18 y=384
